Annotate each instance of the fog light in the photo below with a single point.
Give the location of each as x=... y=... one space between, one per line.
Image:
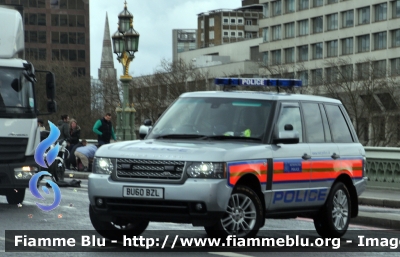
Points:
x=199 y=207
x=99 y=202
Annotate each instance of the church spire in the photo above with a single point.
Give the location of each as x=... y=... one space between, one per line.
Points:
x=107 y=58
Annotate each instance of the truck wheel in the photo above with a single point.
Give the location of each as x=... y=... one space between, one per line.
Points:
x=333 y=220
x=15 y=196
x=243 y=217
x=112 y=231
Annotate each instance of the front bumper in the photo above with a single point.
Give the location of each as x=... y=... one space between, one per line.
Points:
x=178 y=205
x=7 y=177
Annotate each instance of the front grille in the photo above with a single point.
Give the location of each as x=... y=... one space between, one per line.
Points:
x=149 y=169
x=12 y=149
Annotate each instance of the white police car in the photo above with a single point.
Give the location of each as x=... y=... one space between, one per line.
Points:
x=227 y=160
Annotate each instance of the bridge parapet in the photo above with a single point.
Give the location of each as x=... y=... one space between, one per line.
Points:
x=383 y=167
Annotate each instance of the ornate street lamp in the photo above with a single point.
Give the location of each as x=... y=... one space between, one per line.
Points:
x=125 y=43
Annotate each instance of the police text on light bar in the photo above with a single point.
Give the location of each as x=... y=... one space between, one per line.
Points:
x=258 y=82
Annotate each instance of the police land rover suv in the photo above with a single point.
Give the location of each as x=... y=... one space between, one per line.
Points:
x=227 y=160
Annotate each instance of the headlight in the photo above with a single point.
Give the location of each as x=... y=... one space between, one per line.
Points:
x=206 y=170
x=25 y=172
x=103 y=165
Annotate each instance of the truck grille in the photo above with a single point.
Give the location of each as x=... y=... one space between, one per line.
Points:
x=12 y=149
x=149 y=169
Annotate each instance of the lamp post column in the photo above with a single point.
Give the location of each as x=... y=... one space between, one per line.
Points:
x=133 y=120
x=118 y=128
x=125 y=42
x=126 y=110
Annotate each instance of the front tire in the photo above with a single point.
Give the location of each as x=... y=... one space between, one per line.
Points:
x=57 y=170
x=114 y=231
x=243 y=217
x=15 y=196
x=334 y=218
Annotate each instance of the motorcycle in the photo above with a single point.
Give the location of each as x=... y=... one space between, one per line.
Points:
x=57 y=168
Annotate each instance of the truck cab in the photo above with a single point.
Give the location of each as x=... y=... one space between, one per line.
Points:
x=19 y=133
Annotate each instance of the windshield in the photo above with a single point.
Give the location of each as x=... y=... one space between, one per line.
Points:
x=16 y=92
x=214 y=117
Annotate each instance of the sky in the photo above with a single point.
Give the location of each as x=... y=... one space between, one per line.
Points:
x=154 y=20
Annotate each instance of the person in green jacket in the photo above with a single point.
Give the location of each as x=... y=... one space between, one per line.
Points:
x=104 y=130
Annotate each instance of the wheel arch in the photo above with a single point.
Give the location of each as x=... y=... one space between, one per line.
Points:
x=347 y=181
x=254 y=183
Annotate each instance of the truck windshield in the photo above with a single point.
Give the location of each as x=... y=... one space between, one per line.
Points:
x=212 y=117
x=16 y=92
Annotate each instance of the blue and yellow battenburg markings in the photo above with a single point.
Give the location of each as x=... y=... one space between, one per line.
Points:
x=295 y=171
x=237 y=169
x=319 y=169
x=272 y=82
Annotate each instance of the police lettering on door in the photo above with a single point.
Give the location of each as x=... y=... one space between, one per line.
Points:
x=299 y=196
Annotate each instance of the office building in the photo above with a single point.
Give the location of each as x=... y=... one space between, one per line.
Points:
x=183 y=40
x=224 y=26
x=314 y=32
x=57 y=30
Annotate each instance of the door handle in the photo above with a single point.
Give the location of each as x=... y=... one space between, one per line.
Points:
x=306 y=156
x=335 y=156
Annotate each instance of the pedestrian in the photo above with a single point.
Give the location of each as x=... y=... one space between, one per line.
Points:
x=74 y=133
x=40 y=125
x=72 y=158
x=104 y=130
x=63 y=126
x=85 y=153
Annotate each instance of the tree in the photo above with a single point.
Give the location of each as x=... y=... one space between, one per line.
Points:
x=73 y=95
x=154 y=93
x=366 y=89
x=368 y=94
x=106 y=96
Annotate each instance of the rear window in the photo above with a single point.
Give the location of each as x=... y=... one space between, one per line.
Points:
x=339 y=127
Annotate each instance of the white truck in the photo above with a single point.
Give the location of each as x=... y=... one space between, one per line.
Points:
x=19 y=133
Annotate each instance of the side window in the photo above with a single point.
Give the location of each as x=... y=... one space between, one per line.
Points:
x=340 y=130
x=313 y=123
x=327 y=130
x=291 y=115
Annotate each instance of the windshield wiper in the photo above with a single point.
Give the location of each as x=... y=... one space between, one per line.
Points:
x=217 y=137
x=222 y=137
x=181 y=136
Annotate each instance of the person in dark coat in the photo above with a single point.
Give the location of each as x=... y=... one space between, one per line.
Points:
x=64 y=127
x=74 y=133
x=104 y=130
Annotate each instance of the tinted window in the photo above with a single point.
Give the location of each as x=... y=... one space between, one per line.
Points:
x=327 y=130
x=340 y=130
x=313 y=122
x=291 y=115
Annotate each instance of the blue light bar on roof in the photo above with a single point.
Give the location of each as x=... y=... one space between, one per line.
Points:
x=258 y=82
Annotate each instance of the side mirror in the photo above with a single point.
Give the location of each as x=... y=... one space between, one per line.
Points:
x=51 y=106
x=147 y=122
x=50 y=86
x=143 y=131
x=289 y=136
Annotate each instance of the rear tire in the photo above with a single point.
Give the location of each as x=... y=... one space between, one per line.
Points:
x=333 y=220
x=114 y=231
x=15 y=196
x=243 y=218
